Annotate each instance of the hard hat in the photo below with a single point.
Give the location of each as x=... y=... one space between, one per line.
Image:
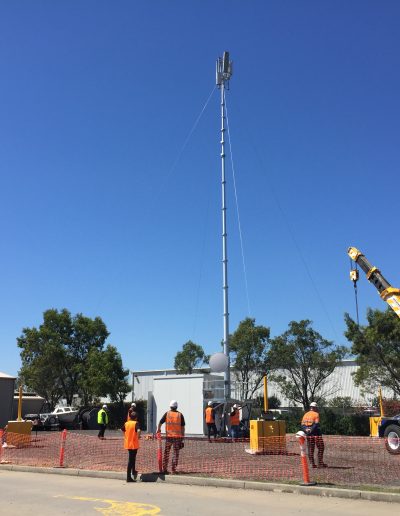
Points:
x=133 y=404
x=173 y=404
x=235 y=406
x=209 y=403
x=104 y=406
x=313 y=404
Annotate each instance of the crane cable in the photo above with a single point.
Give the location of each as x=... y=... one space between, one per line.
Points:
x=354 y=278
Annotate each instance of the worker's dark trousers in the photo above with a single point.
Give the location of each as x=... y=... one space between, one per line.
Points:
x=313 y=440
x=211 y=426
x=101 y=431
x=176 y=443
x=131 y=464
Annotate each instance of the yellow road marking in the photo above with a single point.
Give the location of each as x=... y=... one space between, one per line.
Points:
x=116 y=508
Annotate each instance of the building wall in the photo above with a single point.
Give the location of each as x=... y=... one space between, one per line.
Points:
x=7 y=384
x=30 y=405
x=188 y=391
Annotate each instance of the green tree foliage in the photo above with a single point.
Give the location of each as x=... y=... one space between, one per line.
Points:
x=191 y=356
x=302 y=361
x=343 y=402
x=377 y=348
x=106 y=375
x=55 y=356
x=249 y=348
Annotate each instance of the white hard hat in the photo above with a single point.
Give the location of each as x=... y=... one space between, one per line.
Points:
x=235 y=406
x=209 y=403
x=133 y=404
x=313 y=404
x=173 y=404
x=104 y=406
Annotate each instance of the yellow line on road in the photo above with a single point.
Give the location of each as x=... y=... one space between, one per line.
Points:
x=116 y=508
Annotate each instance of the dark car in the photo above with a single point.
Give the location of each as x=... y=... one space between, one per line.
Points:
x=43 y=421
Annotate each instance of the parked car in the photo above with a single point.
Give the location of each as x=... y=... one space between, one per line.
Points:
x=43 y=421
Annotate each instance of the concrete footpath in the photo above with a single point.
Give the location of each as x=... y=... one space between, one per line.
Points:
x=354 y=494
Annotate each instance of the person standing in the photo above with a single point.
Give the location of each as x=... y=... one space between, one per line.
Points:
x=175 y=433
x=235 y=421
x=102 y=421
x=311 y=427
x=131 y=430
x=209 y=415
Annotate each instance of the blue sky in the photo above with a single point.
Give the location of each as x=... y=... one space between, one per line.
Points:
x=97 y=100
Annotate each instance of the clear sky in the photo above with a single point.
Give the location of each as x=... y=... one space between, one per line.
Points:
x=96 y=102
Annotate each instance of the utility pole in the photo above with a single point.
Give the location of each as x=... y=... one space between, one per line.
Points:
x=223 y=74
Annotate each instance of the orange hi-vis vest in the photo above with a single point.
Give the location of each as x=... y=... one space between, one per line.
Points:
x=209 y=415
x=310 y=418
x=235 y=418
x=173 y=424
x=131 y=438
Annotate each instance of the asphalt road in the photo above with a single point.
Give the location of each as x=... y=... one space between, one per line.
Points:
x=46 y=494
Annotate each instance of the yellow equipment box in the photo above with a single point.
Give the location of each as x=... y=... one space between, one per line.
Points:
x=19 y=433
x=374 y=422
x=267 y=436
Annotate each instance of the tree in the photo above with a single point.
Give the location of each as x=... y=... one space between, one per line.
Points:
x=106 y=375
x=249 y=347
x=377 y=348
x=302 y=361
x=191 y=356
x=55 y=355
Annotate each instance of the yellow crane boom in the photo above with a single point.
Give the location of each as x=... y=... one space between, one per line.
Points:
x=388 y=293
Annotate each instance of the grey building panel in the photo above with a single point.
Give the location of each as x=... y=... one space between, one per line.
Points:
x=7 y=384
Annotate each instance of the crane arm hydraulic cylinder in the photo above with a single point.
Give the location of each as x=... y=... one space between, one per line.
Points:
x=386 y=291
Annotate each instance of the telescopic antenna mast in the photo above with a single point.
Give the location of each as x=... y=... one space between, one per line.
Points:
x=223 y=75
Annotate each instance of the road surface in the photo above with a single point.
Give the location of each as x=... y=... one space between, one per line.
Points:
x=46 y=494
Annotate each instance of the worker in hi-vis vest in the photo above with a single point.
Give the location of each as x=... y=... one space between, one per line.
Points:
x=175 y=432
x=102 y=421
x=209 y=415
x=235 y=421
x=131 y=430
x=310 y=426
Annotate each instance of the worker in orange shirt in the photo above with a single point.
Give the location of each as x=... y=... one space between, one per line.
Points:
x=175 y=432
x=209 y=415
x=235 y=421
x=131 y=430
x=311 y=427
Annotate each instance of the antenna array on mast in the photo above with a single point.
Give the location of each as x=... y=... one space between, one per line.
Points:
x=223 y=70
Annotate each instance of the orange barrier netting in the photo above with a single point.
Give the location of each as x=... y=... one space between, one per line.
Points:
x=351 y=460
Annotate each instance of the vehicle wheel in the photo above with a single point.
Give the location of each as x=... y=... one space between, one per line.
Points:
x=392 y=439
x=52 y=420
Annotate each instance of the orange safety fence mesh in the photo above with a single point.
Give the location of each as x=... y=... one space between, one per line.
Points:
x=351 y=461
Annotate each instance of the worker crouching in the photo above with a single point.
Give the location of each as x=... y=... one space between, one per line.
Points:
x=311 y=427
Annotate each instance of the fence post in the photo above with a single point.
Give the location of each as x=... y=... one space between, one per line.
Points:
x=302 y=439
x=62 y=448
x=159 y=452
